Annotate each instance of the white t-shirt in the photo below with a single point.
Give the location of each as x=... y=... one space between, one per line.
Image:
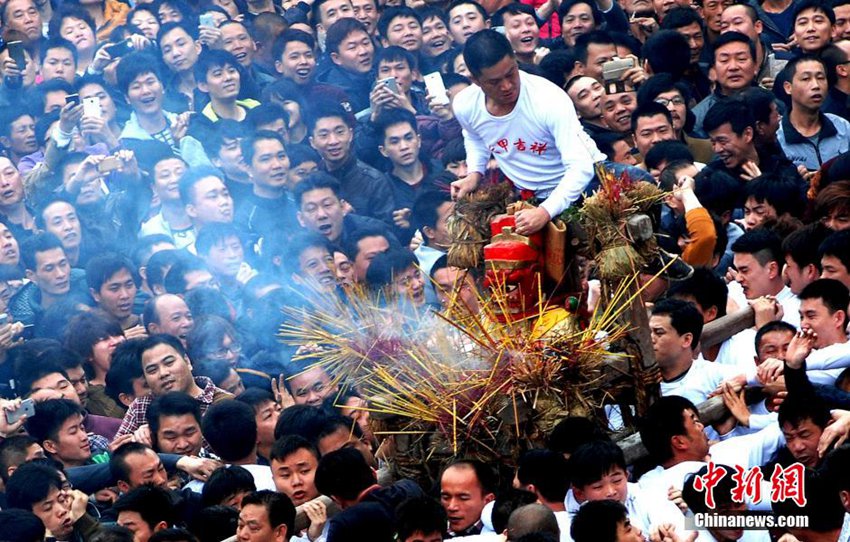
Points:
x=539 y=146
x=738 y=351
x=701 y=379
x=790 y=302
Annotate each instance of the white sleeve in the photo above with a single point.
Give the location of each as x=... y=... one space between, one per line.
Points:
x=837 y=359
x=477 y=153
x=577 y=153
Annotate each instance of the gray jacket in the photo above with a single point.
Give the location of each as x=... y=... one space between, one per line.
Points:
x=833 y=139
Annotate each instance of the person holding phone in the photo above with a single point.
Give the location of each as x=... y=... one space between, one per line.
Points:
x=394 y=86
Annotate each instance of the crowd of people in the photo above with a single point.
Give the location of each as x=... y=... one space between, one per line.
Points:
x=181 y=178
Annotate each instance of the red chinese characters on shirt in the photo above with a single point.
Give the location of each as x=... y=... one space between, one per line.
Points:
x=504 y=145
x=785 y=482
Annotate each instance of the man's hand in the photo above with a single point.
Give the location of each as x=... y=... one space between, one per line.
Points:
x=766 y=310
x=135 y=332
x=835 y=433
x=79 y=501
x=101 y=60
x=317 y=513
x=401 y=218
x=674 y=495
x=143 y=435
x=198 y=468
x=750 y=170
x=529 y=221
x=69 y=116
x=462 y=187
x=666 y=532
x=441 y=111
x=6 y=428
x=180 y=126
x=281 y=394
x=118 y=441
x=769 y=370
x=736 y=404
x=210 y=36
x=800 y=347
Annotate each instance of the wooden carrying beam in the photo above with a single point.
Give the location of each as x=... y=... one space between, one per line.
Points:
x=719 y=330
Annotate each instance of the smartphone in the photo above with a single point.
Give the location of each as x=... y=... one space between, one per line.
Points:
x=119 y=49
x=110 y=163
x=72 y=99
x=91 y=107
x=27 y=408
x=436 y=88
x=206 y=19
x=390 y=83
x=16 y=52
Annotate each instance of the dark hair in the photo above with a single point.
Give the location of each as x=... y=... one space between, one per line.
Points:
x=506 y=503
x=30 y=484
x=21 y=525
x=822 y=506
x=394 y=12
x=298 y=245
x=707 y=289
x=174 y=403
x=340 y=30
x=485 y=49
x=658 y=84
x=684 y=317
x=456 y=3
x=770 y=327
x=681 y=16
x=420 y=514
x=394 y=53
x=300 y=153
x=663 y=421
x=605 y=141
x=132 y=66
x=386 y=265
x=565 y=7
x=158 y=264
x=557 y=65
x=88 y=328
x=763 y=244
x=58 y=43
x=425 y=206
x=206 y=336
x=784 y=195
x=733 y=37
x=125 y=367
x=594 y=37
x=225 y=482
x=49 y=417
x=289 y=444
x=836 y=244
x=315 y=181
x=69 y=11
x=799 y=407
x=213 y=234
x=152 y=503
x=667 y=51
x=484 y=473
x=832 y=293
x=103 y=267
x=13 y=453
x=696 y=498
x=351 y=245
x=344 y=474
x=329 y=110
x=33 y=245
x=248 y=143
x=230 y=428
x=289 y=36
x=214 y=522
x=278 y=506
x=593 y=461
x=213 y=58
x=548 y=471
x=597 y=521
x=118 y=467
x=335 y=423
x=266 y=113
x=650 y=109
x=175 y=279
x=817 y=5
x=193 y=176
x=734 y=111
x=573 y=431
x=718 y=191
x=216 y=139
x=667 y=151
x=393 y=117
x=302 y=420
x=514 y=8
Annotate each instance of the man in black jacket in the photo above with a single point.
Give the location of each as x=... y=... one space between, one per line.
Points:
x=368 y=510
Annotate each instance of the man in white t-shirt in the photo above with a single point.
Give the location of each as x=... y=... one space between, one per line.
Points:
x=675 y=328
x=758 y=259
x=528 y=124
